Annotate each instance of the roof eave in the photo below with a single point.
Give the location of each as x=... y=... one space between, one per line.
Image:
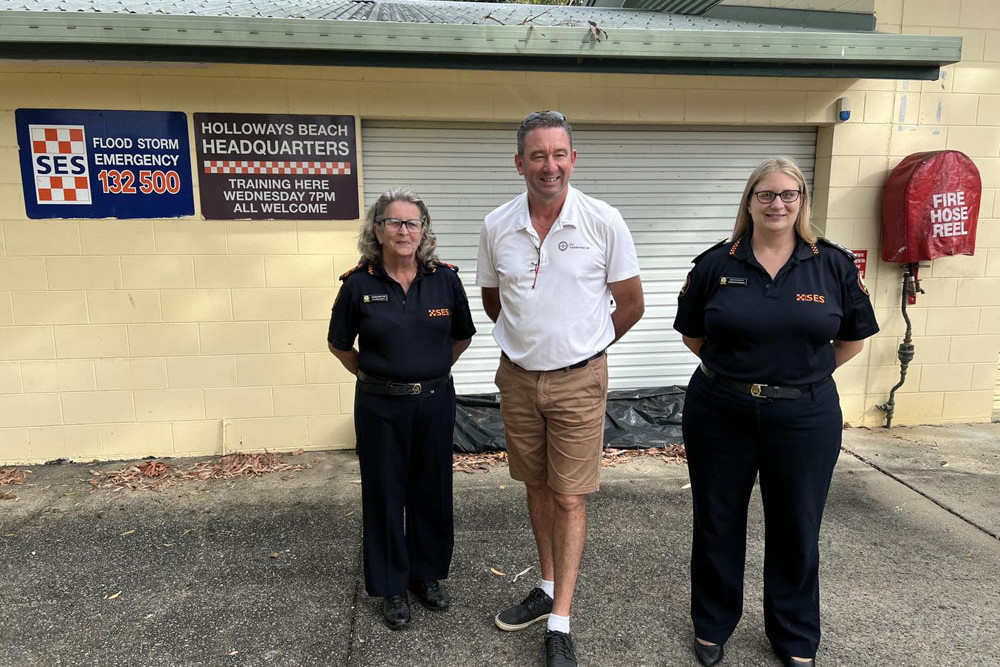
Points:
x=179 y=38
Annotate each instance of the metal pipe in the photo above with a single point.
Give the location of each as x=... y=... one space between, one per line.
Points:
x=905 y=351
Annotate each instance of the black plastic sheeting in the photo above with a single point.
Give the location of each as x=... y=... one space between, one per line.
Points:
x=635 y=419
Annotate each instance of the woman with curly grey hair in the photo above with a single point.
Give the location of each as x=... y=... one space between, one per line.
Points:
x=411 y=319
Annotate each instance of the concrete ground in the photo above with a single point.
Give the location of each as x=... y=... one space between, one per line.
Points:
x=266 y=571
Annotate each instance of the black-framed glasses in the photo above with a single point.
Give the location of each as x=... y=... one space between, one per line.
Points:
x=787 y=196
x=395 y=223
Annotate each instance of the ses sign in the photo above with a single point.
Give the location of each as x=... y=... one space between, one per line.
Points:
x=104 y=164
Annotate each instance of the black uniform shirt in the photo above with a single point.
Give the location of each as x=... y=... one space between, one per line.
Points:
x=774 y=331
x=402 y=337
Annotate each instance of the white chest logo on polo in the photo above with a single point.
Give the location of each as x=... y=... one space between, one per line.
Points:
x=566 y=245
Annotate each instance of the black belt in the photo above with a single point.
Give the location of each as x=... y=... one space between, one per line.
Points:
x=757 y=389
x=372 y=384
x=571 y=367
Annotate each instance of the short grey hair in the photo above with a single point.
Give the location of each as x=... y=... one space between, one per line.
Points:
x=371 y=249
x=541 y=119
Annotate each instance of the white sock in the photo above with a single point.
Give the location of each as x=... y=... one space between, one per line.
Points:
x=559 y=623
x=548 y=586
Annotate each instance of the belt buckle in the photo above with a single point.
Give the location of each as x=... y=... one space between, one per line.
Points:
x=415 y=388
x=755 y=389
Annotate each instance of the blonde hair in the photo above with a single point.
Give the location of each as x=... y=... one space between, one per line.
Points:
x=371 y=249
x=803 y=225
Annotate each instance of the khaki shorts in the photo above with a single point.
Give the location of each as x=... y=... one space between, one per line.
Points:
x=554 y=424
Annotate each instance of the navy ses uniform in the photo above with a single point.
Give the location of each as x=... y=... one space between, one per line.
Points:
x=404 y=416
x=763 y=402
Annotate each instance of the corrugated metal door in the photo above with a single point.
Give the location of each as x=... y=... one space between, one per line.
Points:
x=678 y=190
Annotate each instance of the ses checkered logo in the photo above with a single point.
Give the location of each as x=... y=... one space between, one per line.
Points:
x=59 y=156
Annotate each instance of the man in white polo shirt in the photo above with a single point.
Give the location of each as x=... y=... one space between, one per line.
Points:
x=550 y=263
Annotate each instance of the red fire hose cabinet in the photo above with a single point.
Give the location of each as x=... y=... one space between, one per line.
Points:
x=930 y=207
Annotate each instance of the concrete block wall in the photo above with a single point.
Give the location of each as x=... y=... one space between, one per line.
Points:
x=953 y=377
x=179 y=337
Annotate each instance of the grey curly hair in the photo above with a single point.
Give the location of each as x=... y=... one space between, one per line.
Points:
x=371 y=249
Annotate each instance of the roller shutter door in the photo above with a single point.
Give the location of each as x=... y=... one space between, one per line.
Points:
x=677 y=188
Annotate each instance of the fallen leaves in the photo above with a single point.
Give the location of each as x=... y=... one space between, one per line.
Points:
x=13 y=476
x=155 y=473
x=668 y=454
x=596 y=32
x=112 y=597
x=472 y=462
x=517 y=576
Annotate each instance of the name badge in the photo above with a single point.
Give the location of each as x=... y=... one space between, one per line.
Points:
x=376 y=298
x=734 y=282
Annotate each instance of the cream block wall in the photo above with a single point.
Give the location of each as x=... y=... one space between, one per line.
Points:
x=953 y=376
x=125 y=338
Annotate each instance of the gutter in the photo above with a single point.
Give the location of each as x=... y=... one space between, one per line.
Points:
x=83 y=36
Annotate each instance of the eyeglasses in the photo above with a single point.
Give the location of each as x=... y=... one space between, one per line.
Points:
x=787 y=196
x=551 y=113
x=395 y=223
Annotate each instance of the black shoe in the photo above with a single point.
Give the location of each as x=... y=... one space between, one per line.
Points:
x=536 y=607
x=708 y=655
x=791 y=662
x=430 y=594
x=396 y=611
x=559 y=650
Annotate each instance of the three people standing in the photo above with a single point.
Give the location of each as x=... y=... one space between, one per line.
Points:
x=771 y=313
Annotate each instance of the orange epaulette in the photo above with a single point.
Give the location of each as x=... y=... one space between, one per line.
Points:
x=438 y=263
x=353 y=269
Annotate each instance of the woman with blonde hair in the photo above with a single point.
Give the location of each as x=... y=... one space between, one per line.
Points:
x=771 y=313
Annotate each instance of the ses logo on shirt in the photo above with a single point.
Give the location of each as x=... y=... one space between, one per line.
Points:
x=566 y=245
x=815 y=298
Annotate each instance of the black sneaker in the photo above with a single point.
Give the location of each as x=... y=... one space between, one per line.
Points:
x=430 y=594
x=559 y=650
x=396 y=611
x=536 y=607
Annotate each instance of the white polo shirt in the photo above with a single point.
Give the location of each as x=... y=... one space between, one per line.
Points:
x=554 y=296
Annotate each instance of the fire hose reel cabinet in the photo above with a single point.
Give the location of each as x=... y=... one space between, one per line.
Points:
x=930 y=207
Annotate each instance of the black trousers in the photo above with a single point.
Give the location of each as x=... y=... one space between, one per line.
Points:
x=404 y=447
x=792 y=444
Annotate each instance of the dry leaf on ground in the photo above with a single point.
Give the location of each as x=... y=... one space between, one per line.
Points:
x=154 y=473
x=674 y=453
x=13 y=476
x=471 y=462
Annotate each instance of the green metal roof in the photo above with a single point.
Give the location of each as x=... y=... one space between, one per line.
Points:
x=431 y=33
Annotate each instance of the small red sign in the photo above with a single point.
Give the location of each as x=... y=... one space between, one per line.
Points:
x=861 y=260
